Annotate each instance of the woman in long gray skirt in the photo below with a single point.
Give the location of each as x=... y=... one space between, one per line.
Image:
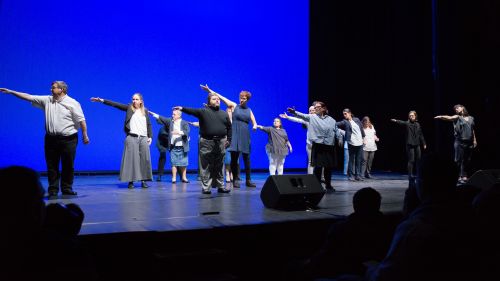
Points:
x=136 y=159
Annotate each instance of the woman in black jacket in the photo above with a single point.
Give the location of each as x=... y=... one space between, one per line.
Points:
x=136 y=159
x=414 y=140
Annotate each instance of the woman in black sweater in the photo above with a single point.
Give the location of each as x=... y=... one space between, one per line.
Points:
x=414 y=140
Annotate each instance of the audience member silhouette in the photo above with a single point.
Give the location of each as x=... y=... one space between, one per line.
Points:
x=363 y=236
x=486 y=207
x=32 y=243
x=434 y=242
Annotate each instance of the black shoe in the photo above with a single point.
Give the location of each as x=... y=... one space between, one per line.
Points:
x=206 y=191
x=250 y=184
x=158 y=178
x=236 y=184
x=186 y=181
x=368 y=176
x=223 y=190
x=359 y=179
x=351 y=178
x=330 y=188
x=52 y=194
x=69 y=192
x=130 y=185
x=144 y=184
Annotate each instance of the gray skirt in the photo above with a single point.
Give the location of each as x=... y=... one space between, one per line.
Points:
x=136 y=160
x=178 y=157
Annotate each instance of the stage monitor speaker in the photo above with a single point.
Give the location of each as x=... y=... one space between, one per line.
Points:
x=484 y=179
x=291 y=192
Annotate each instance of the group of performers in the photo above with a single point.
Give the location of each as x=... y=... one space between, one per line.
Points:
x=222 y=131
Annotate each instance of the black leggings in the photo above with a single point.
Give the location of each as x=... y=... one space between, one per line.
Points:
x=234 y=165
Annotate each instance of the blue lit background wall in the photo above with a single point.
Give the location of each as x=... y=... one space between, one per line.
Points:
x=163 y=49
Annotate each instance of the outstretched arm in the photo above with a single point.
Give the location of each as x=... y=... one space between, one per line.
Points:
x=155 y=115
x=293 y=119
x=289 y=146
x=305 y=117
x=447 y=117
x=194 y=124
x=23 y=96
x=228 y=102
x=117 y=105
x=399 y=122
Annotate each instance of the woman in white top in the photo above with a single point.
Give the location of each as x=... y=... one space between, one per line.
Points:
x=136 y=158
x=369 y=147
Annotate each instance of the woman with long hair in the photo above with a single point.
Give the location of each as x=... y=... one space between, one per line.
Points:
x=369 y=147
x=136 y=158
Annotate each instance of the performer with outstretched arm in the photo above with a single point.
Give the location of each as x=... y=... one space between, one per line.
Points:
x=63 y=117
x=323 y=134
x=465 y=138
x=355 y=138
x=277 y=146
x=136 y=158
x=242 y=115
x=174 y=137
x=304 y=123
x=414 y=141
x=215 y=137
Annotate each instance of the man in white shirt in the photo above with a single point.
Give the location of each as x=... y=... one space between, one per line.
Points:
x=63 y=118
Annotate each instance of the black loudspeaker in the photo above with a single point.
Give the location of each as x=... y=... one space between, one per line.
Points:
x=291 y=192
x=484 y=179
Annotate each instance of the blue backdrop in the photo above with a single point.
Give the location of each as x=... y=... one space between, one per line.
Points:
x=162 y=49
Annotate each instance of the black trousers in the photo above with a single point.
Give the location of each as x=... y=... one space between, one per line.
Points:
x=235 y=169
x=60 y=150
x=212 y=154
x=161 y=163
x=414 y=154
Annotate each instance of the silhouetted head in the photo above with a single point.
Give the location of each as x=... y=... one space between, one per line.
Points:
x=487 y=206
x=64 y=219
x=366 y=200
x=437 y=177
x=25 y=213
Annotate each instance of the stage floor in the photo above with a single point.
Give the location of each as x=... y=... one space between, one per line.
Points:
x=110 y=207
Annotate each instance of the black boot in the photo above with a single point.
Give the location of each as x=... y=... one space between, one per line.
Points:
x=158 y=178
x=249 y=183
